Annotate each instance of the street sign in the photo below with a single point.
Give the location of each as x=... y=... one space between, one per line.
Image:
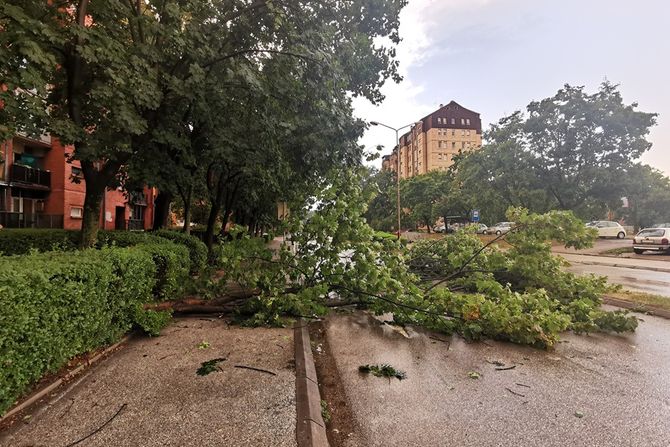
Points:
x=475 y=215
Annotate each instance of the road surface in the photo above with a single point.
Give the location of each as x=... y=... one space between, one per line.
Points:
x=597 y=390
x=639 y=275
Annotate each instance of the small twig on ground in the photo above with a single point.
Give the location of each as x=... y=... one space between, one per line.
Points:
x=166 y=356
x=99 y=428
x=442 y=340
x=506 y=368
x=523 y=385
x=515 y=393
x=495 y=362
x=67 y=409
x=255 y=369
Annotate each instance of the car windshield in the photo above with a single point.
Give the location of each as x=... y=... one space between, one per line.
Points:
x=651 y=233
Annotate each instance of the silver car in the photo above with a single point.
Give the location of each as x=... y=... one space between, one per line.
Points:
x=499 y=228
x=652 y=239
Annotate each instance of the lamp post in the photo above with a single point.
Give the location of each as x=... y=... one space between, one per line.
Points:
x=397 y=142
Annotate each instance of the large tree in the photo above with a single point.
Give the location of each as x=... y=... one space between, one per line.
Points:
x=102 y=76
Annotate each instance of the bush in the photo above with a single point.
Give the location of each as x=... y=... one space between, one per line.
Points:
x=59 y=305
x=197 y=249
x=22 y=241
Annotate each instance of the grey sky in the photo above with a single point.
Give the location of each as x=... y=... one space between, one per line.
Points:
x=495 y=56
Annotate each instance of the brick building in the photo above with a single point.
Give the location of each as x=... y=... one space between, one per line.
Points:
x=433 y=141
x=39 y=188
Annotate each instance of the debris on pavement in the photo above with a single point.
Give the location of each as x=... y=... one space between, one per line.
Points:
x=383 y=370
x=210 y=366
x=255 y=369
x=99 y=428
x=474 y=375
x=579 y=414
x=203 y=345
x=506 y=368
x=515 y=393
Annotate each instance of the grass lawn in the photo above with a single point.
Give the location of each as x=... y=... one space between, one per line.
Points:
x=617 y=251
x=643 y=299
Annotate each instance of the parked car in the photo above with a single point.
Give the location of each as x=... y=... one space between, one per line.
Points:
x=607 y=228
x=652 y=239
x=481 y=228
x=439 y=229
x=661 y=225
x=499 y=228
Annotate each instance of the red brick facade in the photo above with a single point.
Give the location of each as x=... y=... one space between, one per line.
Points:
x=38 y=189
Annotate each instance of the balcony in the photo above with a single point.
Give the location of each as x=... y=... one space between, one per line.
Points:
x=10 y=219
x=30 y=177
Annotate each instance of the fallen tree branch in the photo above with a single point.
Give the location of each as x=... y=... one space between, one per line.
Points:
x=255 y=369
x=515 y=393
x=99 y=428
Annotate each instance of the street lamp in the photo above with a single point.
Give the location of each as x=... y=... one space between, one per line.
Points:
x=397 y=142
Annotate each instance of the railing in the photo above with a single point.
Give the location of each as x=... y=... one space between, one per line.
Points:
x=21 y=220
x=136 y=224
x=25 y=174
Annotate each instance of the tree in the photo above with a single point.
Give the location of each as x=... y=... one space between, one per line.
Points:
x=102 y=75
x=381 y=210
x=420 y=193
x=647 y=193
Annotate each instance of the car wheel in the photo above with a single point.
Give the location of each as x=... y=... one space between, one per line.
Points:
x=485 y=232
x=638 y=252
x=498 y=233
x=621 y=235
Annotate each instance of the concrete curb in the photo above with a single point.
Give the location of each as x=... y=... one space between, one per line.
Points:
x=310 y=428
x=655 y=311
x=40 y=394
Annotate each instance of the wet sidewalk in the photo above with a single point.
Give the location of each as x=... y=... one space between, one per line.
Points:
x=597 y=390
x=148 y=393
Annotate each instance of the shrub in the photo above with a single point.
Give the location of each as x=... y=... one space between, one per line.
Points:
x=197 y=249
x=57 y=305
x=22 y=241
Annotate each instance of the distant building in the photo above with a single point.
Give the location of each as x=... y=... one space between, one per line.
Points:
x=39 y=188
x=433 y=141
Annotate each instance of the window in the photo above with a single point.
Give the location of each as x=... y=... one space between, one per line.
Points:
x=76 y=212
x=439 y=120
x=453 y=132
x=468 y=132
x=462 y=122
x=463 y=145
x=453 y=121
x=453 y=145
x=462 y=133
x=467 y=121
x=77 y=172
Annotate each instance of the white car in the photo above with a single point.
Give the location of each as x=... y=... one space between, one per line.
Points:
x=499 y=228
x=607 y=228
x=653 y=239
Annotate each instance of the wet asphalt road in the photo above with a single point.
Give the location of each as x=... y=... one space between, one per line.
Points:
x=632 y=274
x=597 y=390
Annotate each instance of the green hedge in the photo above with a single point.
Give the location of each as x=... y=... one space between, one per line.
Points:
x=197 y=249
x=57 y=305
x=22 y=241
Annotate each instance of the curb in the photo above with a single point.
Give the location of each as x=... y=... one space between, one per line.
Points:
x=40 y=394
x=310 y=428
x=655 y=311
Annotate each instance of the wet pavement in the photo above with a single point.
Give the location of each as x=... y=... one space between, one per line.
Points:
x=629 y=273
x=161 y=401
x=602 y=245
x=598 y=390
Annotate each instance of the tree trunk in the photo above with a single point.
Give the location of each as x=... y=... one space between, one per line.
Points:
x=211 y=222
x=187 y=210
x=162 y=209
x=91 y=218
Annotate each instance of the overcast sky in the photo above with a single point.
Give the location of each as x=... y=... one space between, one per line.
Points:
x=495 y=56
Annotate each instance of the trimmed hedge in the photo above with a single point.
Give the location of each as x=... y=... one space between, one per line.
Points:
x=57 y=305
x=197 y=249
x=22 y=241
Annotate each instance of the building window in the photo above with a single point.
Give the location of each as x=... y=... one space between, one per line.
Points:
x=463 y=145
x=467 y=121
x=453 y=121
x=76 y=212
x=453 y=145
x=462 y=133
x=77 y=173
x=453 y=132
x=439 y=120
x=468 y=132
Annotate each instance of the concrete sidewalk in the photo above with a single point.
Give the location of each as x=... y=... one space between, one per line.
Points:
x=161 y=401
x=598 y=390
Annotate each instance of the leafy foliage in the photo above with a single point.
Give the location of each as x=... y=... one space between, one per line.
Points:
x=452 y=284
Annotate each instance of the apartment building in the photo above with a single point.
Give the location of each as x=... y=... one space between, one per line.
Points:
x=40 y=188
x=433 y=141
